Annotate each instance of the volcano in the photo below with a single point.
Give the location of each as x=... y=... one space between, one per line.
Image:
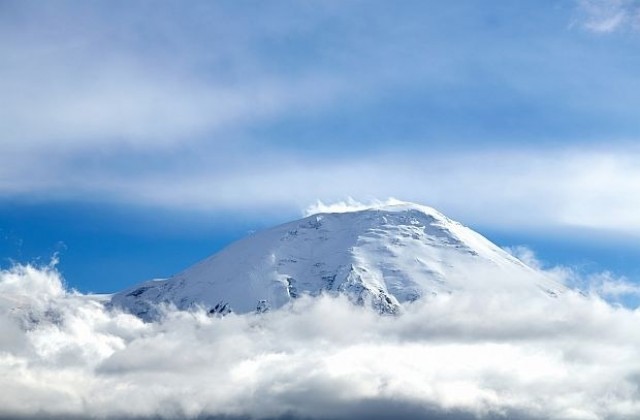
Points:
x=383 y=257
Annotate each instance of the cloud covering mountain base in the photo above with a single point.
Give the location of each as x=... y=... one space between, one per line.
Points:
x=451 y=356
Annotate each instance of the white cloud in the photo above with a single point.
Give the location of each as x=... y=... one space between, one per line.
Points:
x=610 y=286
x=349 y=205
x=501 y=188
x=526 y=255
x=605 y=16
x=496 y=188
x=94 y=110
x=618 y=289
x=94 y=80
x=458 y=356
x=606 y=285
x=131 y=106
x=553 y=189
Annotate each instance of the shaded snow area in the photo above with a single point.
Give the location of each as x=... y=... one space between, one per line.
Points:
x=380 y=257
x=464 y=355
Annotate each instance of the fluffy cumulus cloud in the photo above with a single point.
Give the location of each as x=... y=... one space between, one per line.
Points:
x=458 y=356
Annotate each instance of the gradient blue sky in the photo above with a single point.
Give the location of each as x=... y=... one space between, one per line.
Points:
x=138 y=137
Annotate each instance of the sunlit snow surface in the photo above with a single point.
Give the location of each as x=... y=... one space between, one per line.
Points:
x=381 y=257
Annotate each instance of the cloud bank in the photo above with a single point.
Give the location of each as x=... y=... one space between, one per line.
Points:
x=524 y=189
x=457 y=356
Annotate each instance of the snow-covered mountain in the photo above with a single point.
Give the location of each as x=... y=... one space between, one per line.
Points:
x=382 y=256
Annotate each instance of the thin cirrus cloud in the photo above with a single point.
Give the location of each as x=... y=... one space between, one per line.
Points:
x=606 y=16
x=67 y=354
x=90 y=78
x=126 y=104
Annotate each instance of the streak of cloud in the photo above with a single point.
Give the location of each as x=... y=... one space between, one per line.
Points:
x=524 y=189
x=606 y=16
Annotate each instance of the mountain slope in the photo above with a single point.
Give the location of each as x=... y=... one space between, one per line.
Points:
x=382 y=256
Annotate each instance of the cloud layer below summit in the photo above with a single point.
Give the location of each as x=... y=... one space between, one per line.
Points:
x=452 y=357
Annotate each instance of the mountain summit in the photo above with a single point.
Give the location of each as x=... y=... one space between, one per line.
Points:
x=383 y=256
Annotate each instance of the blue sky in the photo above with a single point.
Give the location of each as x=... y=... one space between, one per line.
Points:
x=138 y=137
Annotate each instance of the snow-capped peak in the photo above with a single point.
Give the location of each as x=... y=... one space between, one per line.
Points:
x=382 y=255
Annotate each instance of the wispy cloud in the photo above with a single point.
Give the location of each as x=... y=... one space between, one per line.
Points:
x=96 y=79
x=524 y=189
x=605 y=16
x=215 y=107
x=615 y=289
x=129 y=104
x=456 y=356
